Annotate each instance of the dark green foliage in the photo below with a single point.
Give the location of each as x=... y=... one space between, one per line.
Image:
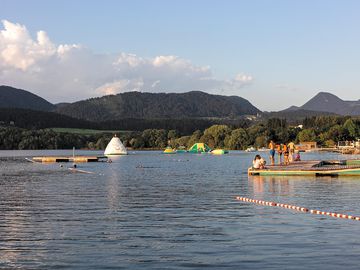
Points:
x=306 y=135
x=333 y=129
x=277 y=130
x=238 y=139
x=38 y=120
x=294 y=116
x=322 y=123
x=31 y=119
x=215 y=135
x=12 y=138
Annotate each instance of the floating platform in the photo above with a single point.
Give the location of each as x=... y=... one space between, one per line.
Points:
x=311 y=168
x=219 y=152
x=76 y=159
x=169 y=150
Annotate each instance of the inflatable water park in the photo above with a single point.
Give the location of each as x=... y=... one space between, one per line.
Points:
x=115 y=147
x=197 y=148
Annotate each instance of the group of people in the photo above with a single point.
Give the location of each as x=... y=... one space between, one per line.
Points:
x=288 y=151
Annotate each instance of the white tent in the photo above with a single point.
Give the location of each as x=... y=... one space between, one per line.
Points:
x=115 y=147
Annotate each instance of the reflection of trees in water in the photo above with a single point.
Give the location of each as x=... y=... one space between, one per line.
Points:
x=272 y=185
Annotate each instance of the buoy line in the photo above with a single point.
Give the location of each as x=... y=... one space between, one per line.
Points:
x=297 y=208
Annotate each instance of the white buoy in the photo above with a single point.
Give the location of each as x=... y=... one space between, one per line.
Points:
x=115 y=147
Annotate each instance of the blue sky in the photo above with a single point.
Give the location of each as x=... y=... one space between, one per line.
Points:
x=273 y=53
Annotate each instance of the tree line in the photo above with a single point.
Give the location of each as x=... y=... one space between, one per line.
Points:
x=325 y=130
x=30 y=119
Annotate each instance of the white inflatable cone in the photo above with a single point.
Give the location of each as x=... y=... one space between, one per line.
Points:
x=115 y=147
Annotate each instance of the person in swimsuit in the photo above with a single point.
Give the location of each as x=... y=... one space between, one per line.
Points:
x=291 y=147
x=258 y=162
x=272 y=152
x=286 y=154
x=280 y=152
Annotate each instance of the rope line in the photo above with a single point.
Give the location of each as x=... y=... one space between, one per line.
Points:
x=297 y=208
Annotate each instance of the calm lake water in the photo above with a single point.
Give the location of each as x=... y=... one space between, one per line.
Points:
x=148 y=210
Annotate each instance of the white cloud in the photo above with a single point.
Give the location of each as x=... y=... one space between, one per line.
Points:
x=243 y=78
x=69 y=72
x=120 y=86
x=19 y=51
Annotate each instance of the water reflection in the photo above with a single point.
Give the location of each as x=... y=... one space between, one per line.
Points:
x=18 y=217
x=112 y=186
x=115 y=170
x=171 y=212
x=272 y=185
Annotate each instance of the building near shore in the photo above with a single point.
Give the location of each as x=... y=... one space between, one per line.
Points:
x=306 y=146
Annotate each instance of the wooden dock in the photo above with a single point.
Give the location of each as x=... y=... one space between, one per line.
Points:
x=75 y=159
x=311 y=168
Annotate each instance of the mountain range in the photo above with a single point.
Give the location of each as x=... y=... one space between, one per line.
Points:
x=327 y=102
x=193 y=104
x=190 y=105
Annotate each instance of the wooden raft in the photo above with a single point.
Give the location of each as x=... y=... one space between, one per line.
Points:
x=310 y=168
x=76 y=159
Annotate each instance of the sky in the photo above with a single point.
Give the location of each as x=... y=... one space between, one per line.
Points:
x=275 y=53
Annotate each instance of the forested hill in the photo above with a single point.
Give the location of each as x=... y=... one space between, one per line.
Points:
x=139 y=105
x=16 y=98
x=32 y=119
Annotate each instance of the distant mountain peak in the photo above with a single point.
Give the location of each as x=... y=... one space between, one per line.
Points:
x=328 y=102
x=326 y=96
x=292 y=109
x=321 y=99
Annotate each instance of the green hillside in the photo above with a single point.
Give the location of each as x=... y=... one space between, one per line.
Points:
x=153 y=106
x=11 y=97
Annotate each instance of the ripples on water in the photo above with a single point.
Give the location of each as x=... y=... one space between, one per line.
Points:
x=153 y=211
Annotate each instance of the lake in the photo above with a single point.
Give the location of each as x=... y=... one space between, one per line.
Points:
x=149 y=210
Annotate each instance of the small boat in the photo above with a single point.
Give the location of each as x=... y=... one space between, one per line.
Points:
x=219 y=152
x=311 y=168
x=169 y=150
x=251 y=149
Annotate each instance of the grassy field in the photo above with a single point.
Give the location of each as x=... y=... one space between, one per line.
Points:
x=87 y=131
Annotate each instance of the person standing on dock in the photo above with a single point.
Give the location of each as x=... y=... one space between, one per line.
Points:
x=279 y=151
x=272 y=152
x=285 y=150
x=291 y=147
